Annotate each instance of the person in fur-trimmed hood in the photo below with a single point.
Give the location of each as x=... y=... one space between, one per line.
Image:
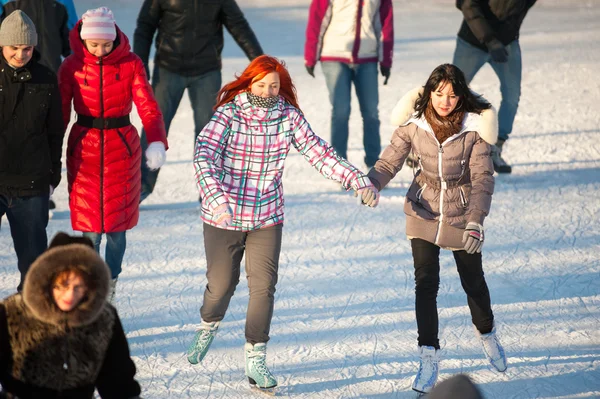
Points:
x=60 y=337
x=449 y=130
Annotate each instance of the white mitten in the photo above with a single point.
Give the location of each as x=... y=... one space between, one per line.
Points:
x=473 y=237
x=156 y=155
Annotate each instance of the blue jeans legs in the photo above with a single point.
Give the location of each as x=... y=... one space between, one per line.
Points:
x=168 y=90
x=470 y=59
x=115 y=249
x=28 y=219
x=339 y=78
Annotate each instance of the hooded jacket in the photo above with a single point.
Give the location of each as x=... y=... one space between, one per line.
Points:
x=31 y=129
x=103 y=165
x=240 y=156
x=454 y=183
x=47 y=353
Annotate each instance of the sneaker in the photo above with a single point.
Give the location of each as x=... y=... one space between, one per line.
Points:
x=494 y=352
x=428 y=370
x=202 y=340
x=256 y=366
x=500 y=165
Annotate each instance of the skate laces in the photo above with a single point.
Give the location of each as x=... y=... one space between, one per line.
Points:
x=206 y=330
x=259 y=362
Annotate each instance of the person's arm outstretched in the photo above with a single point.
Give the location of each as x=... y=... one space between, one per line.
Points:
x=392 y=158
x=323 y=158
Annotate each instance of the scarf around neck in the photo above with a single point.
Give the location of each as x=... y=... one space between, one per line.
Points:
x=262 y=102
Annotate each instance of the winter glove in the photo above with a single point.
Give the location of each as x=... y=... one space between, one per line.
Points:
x=222 y=216
x=155 y=155
x=385 y=72
x=473 y=237
x=369 y=196
x=497 y=51
x=310 y=70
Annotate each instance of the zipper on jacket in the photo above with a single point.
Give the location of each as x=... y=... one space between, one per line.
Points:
x=101 y=149
x=442 y=190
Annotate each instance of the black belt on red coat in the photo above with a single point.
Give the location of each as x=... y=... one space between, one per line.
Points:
x=103 y=123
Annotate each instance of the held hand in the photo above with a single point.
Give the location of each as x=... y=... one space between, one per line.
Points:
x=223 y=216
x=497 y=51
x=156 y=155
x=385 y=72
x=369 y=196
x=310 y=70
x=473 y=237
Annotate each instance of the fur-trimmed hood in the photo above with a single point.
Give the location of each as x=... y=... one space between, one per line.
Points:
x=485 y=124
x=37 y=289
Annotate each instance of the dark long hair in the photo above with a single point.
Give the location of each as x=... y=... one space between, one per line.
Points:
x=469 y=101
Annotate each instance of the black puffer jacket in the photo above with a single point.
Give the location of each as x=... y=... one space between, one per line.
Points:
x=190 y=34
x=31 y=129
x=485 y=20
x=50 y=19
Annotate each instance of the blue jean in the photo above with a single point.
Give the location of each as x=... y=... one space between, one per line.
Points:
x=339 y=78
x=28 y=219
x=470 y=59
x=168 y=90
x=115 y=249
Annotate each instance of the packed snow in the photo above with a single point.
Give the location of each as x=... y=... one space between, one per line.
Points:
x=344 y=324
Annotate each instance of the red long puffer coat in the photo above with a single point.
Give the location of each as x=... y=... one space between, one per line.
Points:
x=103 y=165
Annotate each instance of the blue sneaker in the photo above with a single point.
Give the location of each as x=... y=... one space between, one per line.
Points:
x=493 y=350
x=257 y=372
x=202 y=340
x=428 y=370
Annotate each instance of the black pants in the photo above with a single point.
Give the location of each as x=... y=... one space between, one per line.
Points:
x=426 y=258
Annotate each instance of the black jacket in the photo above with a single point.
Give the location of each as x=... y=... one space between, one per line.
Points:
x=485 y=20
x=50 y=19
x=190 y=34
x=31 y=129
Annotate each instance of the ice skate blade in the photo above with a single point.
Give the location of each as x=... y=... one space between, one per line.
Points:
x=419 y=394
x=271 y=391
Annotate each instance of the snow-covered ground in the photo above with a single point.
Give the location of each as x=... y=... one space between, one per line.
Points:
x=344 y=320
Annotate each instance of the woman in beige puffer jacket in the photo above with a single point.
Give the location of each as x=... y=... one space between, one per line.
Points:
x=449 y=129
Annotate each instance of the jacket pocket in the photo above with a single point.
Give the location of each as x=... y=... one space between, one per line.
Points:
x=78 y=140
x=124 y=142
x=464 y=192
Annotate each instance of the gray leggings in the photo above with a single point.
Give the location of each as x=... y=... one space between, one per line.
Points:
x=224 y=250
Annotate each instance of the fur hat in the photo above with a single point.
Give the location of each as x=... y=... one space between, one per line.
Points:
x=18 y=29
x=98 y=23
x=67 y=253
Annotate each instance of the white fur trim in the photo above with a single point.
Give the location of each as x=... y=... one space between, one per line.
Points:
x=485 y=124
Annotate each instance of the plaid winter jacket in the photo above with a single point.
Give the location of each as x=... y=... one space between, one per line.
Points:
x=240 y=157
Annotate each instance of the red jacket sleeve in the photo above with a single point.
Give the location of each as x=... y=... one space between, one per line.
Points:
x=316 y=14
x=386 y=14
x=147 y=107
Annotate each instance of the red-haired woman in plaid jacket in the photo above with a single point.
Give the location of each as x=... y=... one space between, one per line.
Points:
x=239 y=162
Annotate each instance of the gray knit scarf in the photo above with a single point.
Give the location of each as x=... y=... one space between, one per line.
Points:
x=262 y=102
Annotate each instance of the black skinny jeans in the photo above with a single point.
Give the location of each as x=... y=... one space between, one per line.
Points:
x=426 y=258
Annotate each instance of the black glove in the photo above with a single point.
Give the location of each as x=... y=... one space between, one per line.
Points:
x=310 y=70
x=385 y=72
x=497 y=51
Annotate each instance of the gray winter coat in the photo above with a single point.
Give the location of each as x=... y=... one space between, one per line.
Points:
x=454 y=183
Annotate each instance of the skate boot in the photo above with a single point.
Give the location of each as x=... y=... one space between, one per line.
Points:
x=257 y=372
x=428 y=370
x=112 y=290
x=494 y=352
x=500 y=165
x=202 y=340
